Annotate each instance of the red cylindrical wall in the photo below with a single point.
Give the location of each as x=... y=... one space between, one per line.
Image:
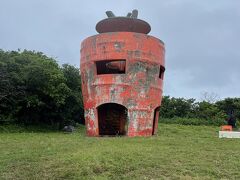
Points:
x=122 y=73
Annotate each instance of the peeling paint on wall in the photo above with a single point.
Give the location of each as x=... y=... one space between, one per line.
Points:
x=138 y=89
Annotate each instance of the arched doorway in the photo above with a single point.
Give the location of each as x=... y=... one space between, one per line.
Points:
x=112 y=119
x=155 y=120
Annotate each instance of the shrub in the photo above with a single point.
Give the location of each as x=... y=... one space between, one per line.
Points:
x=193 y=121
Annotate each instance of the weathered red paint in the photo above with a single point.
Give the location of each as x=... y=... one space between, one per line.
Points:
x=139 y=89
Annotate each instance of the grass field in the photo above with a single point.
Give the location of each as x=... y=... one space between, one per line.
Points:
x=178 y=152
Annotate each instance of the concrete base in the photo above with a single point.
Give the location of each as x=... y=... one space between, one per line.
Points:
x=229 y=134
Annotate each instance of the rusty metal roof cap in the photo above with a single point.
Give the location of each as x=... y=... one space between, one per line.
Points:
x=130 y=23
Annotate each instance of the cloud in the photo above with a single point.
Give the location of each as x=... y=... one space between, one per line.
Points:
x=201 y=37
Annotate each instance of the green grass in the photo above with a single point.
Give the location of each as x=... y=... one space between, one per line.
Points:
x=178 y=152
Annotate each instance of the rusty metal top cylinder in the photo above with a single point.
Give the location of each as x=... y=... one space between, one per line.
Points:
x=122 y=78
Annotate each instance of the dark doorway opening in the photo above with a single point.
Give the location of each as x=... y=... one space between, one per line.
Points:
x=112 y=119
x=155 y=120
x=161 y=72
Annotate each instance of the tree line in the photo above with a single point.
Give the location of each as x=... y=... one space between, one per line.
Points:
x=35 y=89
x=190 y=111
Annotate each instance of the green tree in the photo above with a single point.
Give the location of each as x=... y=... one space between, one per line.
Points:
x=176 y=107
x=73 y=107
x=187 y=111
x=208 y=111
x=35 y=89
x=230 y=104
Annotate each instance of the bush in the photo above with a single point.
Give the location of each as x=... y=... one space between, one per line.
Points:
x=193 y=121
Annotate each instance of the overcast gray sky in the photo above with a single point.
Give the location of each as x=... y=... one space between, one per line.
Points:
x=202 y=38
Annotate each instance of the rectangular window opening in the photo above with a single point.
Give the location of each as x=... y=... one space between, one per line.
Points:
x=111 y=66
x=161 y=73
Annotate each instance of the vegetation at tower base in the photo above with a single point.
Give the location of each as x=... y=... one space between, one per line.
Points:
x=34 y=89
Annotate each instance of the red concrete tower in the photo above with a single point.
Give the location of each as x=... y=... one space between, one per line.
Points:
x=122 y=72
